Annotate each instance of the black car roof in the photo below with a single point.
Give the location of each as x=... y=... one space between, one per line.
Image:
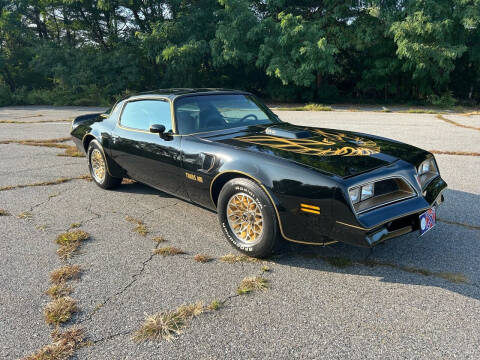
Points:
x=180 y=92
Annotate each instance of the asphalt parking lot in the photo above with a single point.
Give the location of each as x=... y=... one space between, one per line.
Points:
x=411 y=298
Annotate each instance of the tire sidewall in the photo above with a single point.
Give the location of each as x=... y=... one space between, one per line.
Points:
x=94 y=144
x=268 y=238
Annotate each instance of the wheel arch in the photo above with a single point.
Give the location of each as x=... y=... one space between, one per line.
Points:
x=222 y=178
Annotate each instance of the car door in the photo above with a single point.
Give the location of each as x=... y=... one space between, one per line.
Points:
x=145 y=156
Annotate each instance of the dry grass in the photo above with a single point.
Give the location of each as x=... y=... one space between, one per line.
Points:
x=72 y=151
x=461 y=153
x=168 y=324
x=4 y=213
x=60 y=310
x=168 y=251
x=308 y=107
x=70 y=242
x=34 y=142
x=63 y=346
x=46 y=183
x=265 y=268
x=441 y=117
x=58 y=290
x=250 y=284
x=33 y=122
x=65 y=273
x=214 y=305
x=419 y=111
x=232 y=258
x=25 y=215
x=159 y=239
x=202 y=258
x=140 y=227
x=127 y=181
x=75 y=225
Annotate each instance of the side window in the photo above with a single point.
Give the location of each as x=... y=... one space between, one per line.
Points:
x=142 y=114
x=186 y=116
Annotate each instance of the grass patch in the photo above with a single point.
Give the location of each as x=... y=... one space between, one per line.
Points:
x=461 y=153
x=214 y=305
x=265 y=268
x=25 y=215
x=62 y=347
x=127 y=181
x=72 y=151
x=338 y=261
x=308 y=107
x=140 y=227
x=46 y=183
x=58 y=290
x=75 y=225
x=60 y=310
x=419 y=111
x=202 y=258
x=33 y=142
x=168 y=251
x=33 y=122
x=70 y=242
x=441 y=117
x=250 y=284
x=65 y=273
x=4 y=213
x=168 y=324
x=232 y=258
x=159 y=239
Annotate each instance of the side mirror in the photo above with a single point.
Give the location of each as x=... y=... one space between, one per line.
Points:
x=157 y=129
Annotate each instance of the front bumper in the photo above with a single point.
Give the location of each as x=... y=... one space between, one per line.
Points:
x=390 y=221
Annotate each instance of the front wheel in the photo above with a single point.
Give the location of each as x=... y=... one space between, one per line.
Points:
x=247 y=217
x=97 y=164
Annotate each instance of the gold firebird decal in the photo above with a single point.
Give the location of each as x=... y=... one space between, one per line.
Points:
x=330 y=145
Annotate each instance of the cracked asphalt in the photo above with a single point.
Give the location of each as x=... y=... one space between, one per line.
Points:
x=312 y=309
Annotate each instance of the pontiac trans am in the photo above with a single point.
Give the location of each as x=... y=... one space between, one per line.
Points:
x=267 y=179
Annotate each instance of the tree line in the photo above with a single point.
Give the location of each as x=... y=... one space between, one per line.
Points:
x=95 y=51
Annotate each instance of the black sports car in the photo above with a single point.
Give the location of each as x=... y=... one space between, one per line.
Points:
x=226 y=151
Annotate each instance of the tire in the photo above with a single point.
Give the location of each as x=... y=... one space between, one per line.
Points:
x=241 y=202
x=97 y=164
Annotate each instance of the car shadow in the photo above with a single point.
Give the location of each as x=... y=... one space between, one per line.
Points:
x=445 y=257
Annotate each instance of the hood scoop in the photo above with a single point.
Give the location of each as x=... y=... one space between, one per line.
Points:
x=288 y=132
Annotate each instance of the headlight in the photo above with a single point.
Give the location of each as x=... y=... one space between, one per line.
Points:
x=426 y=172
x=361 y=193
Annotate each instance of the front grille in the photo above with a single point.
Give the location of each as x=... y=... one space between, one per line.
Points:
x=386 y=191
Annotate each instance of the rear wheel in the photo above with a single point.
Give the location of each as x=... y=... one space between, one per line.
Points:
x=97 y=164
x=247 y=217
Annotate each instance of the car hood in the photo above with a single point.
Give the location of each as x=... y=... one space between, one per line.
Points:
x=337 y=152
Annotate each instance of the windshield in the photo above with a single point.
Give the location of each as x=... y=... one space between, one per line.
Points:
x=215 y=112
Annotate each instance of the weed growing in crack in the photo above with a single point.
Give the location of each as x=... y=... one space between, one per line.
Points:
x=231 y=258
x=25 y=215
x=214 y=305
x=65 y=273
x=168 y=251
x=167 y=324
x=60 y=310
x=250 y=284
x=202 y=258
x=75 y=225
x=140 y=227
x=71 y=151
x=62 y=347
x=265 y=268
x=4 y=213
x=58 y=290
x=159 y=239
x=70 y=242
x=46 y=183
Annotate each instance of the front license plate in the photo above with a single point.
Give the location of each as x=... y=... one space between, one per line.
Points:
x=427 y=220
